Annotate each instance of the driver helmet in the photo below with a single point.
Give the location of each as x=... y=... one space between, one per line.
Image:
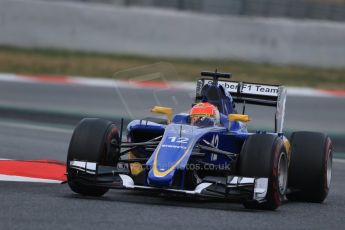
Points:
x=204 y=111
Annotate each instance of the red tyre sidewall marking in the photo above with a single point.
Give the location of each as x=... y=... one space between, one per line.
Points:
x=111 y=133
x=326 y=155
x=275 y=186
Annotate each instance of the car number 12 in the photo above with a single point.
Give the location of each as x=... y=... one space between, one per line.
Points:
x=180 y=140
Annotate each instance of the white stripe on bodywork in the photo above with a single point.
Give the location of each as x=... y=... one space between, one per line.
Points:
x=88 y=167
x=127 y=181
x=4 y=177
x=260 y=189
x=201 y=187
x=241 y=181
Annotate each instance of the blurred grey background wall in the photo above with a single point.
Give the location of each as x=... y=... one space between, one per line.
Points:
x=312 y=9
x=150 y=31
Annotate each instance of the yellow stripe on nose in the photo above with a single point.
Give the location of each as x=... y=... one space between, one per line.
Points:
x=157 y=173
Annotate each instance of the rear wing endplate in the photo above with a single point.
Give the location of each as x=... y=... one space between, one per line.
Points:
x=253 y=93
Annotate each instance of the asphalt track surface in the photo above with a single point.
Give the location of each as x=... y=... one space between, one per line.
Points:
x=54 y=206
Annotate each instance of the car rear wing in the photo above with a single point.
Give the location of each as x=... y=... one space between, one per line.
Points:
x=253 y=93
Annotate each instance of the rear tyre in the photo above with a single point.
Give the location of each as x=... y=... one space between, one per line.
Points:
x=264 y=155
x=310 y=169
x=93 y=140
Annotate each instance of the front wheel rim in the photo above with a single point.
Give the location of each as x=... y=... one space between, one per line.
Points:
x=282 y=173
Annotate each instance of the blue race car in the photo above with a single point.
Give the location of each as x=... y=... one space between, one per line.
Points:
x=206 y=153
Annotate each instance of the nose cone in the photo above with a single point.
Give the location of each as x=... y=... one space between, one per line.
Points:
x=164 y=181
x=167 y=160
x=172 y=154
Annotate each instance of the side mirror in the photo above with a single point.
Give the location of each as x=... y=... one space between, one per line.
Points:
x=238 y=117
x=163 y=110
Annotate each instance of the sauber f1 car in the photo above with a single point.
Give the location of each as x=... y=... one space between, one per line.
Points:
x=207 y=153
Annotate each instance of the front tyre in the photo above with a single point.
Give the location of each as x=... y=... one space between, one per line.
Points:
x=264 y=155
x=93 y=140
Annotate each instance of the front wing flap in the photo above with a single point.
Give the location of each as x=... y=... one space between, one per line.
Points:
x=232 y=187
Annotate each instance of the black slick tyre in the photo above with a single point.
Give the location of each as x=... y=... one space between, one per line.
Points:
x=93 y=140
x=310 y=170
x=265 y=156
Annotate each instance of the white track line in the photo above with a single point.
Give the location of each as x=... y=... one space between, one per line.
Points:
x=113 y=83
x=4 y=177
x=339 y=160
x=35 y=127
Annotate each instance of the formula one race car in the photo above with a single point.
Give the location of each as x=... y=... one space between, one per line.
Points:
x=206 y=153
